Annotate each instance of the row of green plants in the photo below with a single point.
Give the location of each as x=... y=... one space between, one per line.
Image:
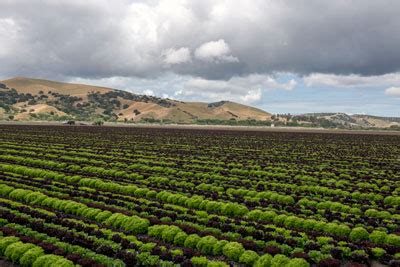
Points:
x=27 y=254
x=254 y=195
x=228 y=209
x=213 y=198
x=390 y=200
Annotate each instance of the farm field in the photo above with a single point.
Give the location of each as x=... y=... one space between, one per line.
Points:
x=119 y=196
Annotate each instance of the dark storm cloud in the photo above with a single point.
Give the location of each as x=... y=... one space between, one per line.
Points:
x=211 y=39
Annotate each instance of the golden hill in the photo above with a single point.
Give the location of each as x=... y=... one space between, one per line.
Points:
x=34 y=86
x=86 y=102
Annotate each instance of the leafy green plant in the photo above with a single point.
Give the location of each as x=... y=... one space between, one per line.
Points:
x=191 y=241
x=297 y=262
x=233 y=250
x=218 y=246
x=279 y=260
x=378 y=252
x=199 y=261
x=29 y=257
x=180 y=238
x=358 y=234
x=51 y=261
x=5 y=242
x=263 y=261
x=249 y=257
x=169 y=233
x=393 y=240
x=378 y=237
x=206 y=244
x=15 y=251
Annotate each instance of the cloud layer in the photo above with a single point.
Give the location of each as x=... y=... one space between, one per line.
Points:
x=104 y=38
x=247 y=89
x=393 y=91
x=348 y=81
x=206 y=50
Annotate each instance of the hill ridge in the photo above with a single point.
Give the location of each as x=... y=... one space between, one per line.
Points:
x=40 y=99
x=81 y=101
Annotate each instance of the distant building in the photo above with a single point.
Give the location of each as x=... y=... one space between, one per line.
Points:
x=69 y=122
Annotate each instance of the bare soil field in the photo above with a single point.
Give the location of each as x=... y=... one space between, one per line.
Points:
x=211 y=127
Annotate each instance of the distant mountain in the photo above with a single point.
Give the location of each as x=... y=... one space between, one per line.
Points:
x=342 y=120
x=34 y=99
x=25 y=99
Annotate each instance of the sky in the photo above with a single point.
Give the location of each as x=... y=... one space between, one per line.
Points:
x=282 y=56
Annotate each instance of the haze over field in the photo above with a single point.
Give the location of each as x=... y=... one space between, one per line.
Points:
x=280 y=56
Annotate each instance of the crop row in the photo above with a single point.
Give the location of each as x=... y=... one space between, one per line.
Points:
x=116 y=196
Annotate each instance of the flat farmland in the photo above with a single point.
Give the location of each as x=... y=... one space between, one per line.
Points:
x=132 y=196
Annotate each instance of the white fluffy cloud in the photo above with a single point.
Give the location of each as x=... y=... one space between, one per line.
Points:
x=252 y=96
x=248 y=89
x=148 y=92
x=352 y=80
x=215 y=51
x=177 y=56
x=393 y=91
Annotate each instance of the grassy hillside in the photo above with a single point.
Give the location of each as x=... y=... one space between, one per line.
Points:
x=25 y=99
x=34 y=86
x=32 y=99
